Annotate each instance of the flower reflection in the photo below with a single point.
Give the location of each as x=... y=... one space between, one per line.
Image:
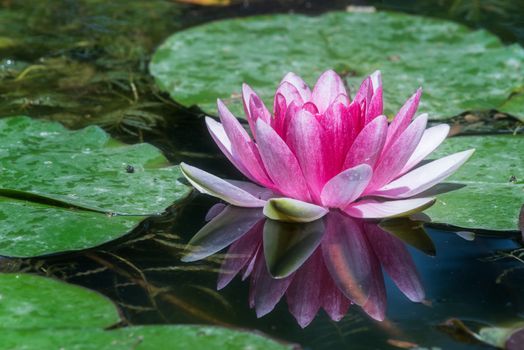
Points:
x=330 y=263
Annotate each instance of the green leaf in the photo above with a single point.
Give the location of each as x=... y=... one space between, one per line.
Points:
x=41 y=313
x=33 y=302
x=494 y=191
x=514 y=105
x=139 y=338
x=86 y=168
x=458 y=68
x=63 y=190
x=32 y=229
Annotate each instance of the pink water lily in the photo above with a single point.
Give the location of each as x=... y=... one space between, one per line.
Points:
x=319 y=150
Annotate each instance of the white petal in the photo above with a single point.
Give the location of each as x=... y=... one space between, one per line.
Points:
x=430 y=140
x=210 y=184
x=374 y=209
x=424 y=177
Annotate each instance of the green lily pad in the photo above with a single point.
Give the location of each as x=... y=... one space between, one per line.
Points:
x=139 y=338
x=458 y=68
x=33 y=302
x=41 y=313
x=63 y=190
x=32 y=229
x=86 y=168
x=514 y=105
x=494 y=191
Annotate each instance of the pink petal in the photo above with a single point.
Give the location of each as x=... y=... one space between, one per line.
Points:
x=424 y=177
x=291 y=112
x=219 y=136
x=368 y=144
x=354 y=117
x=293 y=210
x=228 y=226
x=396 y=261
x=248 y=269
x=280 y=111
x=290 y=93
x=348 y=257
x=394 y=158
x=242 y=145
x=364 y=92
x=326 y=90
x=303 y=137
x=346 y=187
x=281 y=164
x=376 y=81
x=431 y=139
x=369 y=96
x=254 y=108
x=374 y=209
x=342 y=99
x=258 y=110
x=239 y=254
x=301 y=86
x=310 y=107
x=214 y=211
x=375 y=106
x=333 y=301
x=252 y=270
x=376 y=304
x=267 y=290
x=336 y=134
x=403 y=118
x=210 y=184
x=303 y=295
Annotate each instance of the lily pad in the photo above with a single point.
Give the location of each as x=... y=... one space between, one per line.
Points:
x=63 y=190
x=140 y=338
x=514 y=105
x=86 y=168
x=458 y=68
x=32 y=229
x=33 y=302
x=494 y=191
x=41 y=313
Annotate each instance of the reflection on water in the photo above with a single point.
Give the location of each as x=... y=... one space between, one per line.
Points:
x=329 y=263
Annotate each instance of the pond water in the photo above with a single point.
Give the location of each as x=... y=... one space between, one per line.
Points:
x=476 y=281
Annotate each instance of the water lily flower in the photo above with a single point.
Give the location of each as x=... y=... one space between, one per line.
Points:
x=319 y=150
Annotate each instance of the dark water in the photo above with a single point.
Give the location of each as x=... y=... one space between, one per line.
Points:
x=143 y=273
